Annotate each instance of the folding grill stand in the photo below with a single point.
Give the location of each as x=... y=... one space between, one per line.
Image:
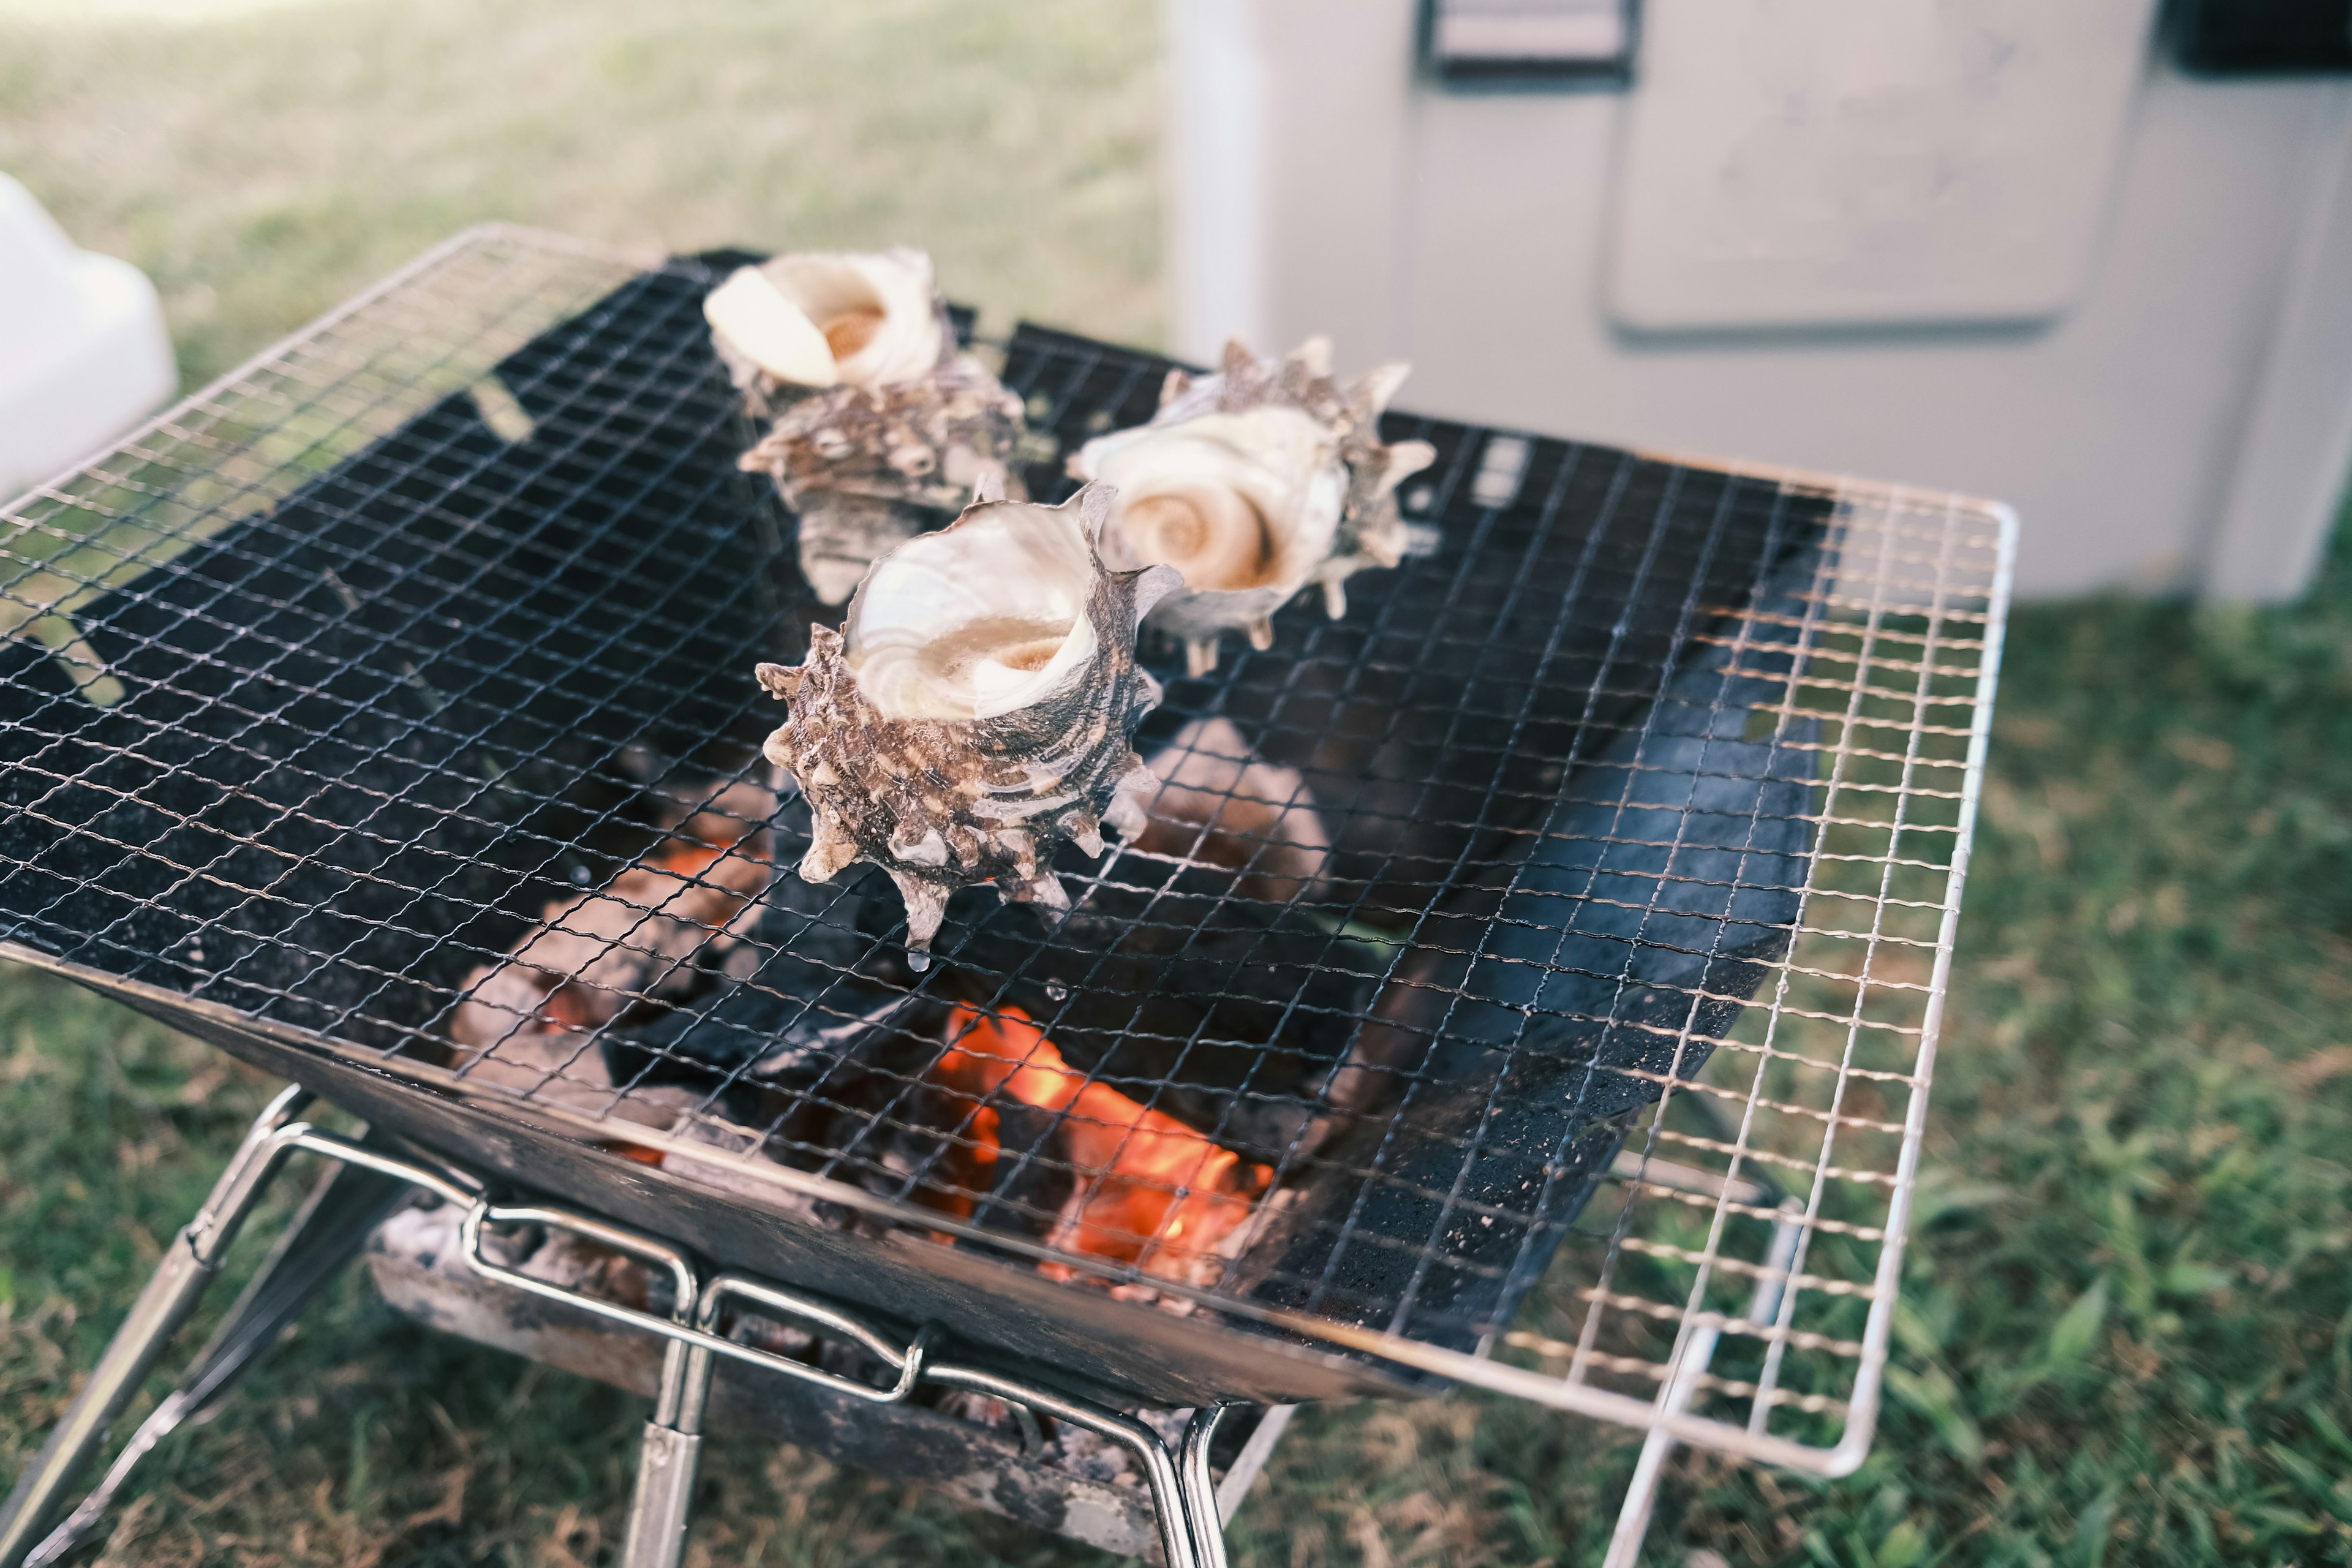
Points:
x=1188 y=1508
x=1188 y=1505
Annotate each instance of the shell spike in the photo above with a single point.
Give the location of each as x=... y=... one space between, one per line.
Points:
x=1152 y=584
x=1314 y=357
x=1085 y=831
x=1046 y=890
x=1261 y=633
x=1335 y=598
x=1371 y=394
x=1406 y=458
x=782 y=681
x=828 y=852
x=1094 y=502
x=988 y=487
x=926 y=908
x=1126 y=811
x=1200 y=656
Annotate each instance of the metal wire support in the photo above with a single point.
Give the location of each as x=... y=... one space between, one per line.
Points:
x=1207 y=1509
x=173 y=1292
x=327 y=1231
x=1682 y=1380
x=1184 y=1498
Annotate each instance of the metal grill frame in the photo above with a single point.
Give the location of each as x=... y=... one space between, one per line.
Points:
x=1903 y=524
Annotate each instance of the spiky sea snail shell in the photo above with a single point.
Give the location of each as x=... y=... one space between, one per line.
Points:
x=978 y=702
x=1253 y=483
x=878 y=427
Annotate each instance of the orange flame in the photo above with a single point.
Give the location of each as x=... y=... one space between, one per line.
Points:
x=1149 y=1188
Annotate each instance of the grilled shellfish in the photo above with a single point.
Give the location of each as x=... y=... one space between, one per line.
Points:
x=978 y=702
x=1253 y=483
x=879 y=427
x=820 y=318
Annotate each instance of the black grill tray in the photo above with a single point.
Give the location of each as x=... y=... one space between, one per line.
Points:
x=367 y=734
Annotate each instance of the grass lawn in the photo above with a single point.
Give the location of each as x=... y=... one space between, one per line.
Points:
x=2126 y=1336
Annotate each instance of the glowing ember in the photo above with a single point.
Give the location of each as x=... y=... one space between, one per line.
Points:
x=1150 y=1189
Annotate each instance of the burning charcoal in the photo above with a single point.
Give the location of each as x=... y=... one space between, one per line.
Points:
x=1224 y=1014
x=1031 y=1181
x=1217 y=803
x=1145 y=1188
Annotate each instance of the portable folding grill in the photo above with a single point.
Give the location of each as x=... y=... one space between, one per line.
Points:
x=419 y=650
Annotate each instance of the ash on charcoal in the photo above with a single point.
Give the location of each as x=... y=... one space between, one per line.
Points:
x=668 y=929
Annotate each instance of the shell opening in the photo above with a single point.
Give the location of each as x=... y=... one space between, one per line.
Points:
x=1234 y=501
x=818 y=319
x=1213 y=535
x=851 y=330
x=752 y=313
x=875 y=312
x=978 y=620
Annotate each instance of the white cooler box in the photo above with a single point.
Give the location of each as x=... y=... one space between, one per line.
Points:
x=83 y=351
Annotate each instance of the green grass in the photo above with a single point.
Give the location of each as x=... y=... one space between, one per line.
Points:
x=264 y=165
x=2127 y=1329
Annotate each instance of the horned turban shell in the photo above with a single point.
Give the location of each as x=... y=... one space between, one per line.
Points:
x=1254 y=483
x=978 y=704
x=878 y=426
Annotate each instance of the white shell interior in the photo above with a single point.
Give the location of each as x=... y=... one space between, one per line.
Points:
x=833 y=318
x=1277 y=463
x=769 y=330
x=980 y=619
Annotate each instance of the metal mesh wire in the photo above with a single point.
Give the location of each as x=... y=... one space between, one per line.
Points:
x=398 y=690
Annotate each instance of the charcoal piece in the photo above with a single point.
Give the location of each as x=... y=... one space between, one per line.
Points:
x=1223 y=1013
x=805 y=1021
x=1030 y=1178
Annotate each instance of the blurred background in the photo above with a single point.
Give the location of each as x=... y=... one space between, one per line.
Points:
x=2092 y=259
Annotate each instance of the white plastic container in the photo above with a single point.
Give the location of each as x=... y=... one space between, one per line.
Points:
x=2000 y=246
x=84 y=354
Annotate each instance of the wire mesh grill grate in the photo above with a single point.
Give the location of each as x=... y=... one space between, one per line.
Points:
x=396 y=691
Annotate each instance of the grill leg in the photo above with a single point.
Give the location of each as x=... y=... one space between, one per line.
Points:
x=1682 y=1383
x=179 y=1282
x=655 y=1534
x=1203 y=1511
